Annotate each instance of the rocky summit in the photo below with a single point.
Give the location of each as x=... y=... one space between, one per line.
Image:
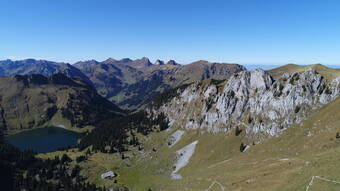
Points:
x=250 y=100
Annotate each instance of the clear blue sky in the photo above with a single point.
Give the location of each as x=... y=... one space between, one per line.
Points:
x=241 y=31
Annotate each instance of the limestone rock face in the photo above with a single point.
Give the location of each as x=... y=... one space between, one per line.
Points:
x=251 y=100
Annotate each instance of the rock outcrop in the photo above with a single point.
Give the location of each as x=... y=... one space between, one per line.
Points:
x=250 y=100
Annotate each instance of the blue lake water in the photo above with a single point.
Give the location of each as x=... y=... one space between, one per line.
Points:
x=44 y=140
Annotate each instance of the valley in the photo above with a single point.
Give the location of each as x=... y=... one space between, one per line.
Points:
x=169 y=95
x=239 y=133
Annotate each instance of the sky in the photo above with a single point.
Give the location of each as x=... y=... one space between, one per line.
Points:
x=234 y=31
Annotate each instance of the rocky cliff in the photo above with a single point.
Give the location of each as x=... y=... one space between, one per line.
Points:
x=250 y=100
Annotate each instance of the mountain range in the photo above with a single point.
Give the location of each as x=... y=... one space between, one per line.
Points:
x=131 y=84
x=43 y=67
x=201 y=126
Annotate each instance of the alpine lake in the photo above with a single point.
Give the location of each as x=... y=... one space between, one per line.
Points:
x=43 y=140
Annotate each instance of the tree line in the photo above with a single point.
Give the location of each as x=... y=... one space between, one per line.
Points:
x=117 y=134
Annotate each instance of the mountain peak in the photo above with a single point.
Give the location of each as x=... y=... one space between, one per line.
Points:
x=159 y=62
x=30 y=60
x=125 y=60
x=109 y=60
x=89 y=62
x=143 y=62
x=145 y=59
x=172 y=62
x=201 y=62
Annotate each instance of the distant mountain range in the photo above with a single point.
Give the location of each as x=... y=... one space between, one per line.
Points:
x=43 y=67
x=131 y=84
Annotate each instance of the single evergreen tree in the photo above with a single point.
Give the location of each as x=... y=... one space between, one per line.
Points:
x=242 y=147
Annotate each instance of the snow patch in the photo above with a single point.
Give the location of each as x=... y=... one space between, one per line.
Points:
x=183 y=157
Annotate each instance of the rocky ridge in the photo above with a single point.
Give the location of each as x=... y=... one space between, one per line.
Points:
x=250 y=100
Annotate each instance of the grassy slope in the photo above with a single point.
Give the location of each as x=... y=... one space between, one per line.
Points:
x=260 y=168
x=328 y=73
x=284 y=163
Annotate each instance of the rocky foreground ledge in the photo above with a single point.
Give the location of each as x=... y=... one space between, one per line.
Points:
x=250 y=100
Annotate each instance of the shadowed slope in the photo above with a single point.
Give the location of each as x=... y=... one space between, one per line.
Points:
x=34 y=100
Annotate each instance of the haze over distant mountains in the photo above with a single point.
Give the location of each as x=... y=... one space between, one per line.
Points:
x=43 y=67
x=129 y=83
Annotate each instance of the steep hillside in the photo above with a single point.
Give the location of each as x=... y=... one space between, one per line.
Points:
x=251 y=100
x=249 y=132
x=30 y=101
x=43 y=67
x=134 y=83
x=284 y=163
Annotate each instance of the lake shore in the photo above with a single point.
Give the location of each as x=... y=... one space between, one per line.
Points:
x=74 y=129
x=42 y=140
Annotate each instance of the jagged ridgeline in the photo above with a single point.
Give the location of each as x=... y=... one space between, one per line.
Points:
x=132 y=84
x=251 y=100
x=29 y=101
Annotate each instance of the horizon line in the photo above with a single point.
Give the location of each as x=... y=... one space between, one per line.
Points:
x=182 y=63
